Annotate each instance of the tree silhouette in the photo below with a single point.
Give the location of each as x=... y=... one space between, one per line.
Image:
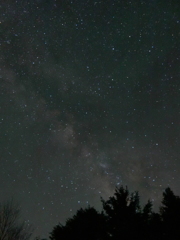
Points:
x=123 y=213
x=10 y=226
x=170 y=214
x=86 y=224
x=123 y=218
x=151 y=225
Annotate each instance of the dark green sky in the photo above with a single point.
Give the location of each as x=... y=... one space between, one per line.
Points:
x=90 y=98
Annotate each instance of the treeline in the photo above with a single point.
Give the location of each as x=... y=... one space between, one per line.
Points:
x=121 y=217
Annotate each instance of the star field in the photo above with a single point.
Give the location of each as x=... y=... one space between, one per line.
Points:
x=90 y=99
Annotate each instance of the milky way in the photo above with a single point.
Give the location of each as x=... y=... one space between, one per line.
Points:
x=90 y=99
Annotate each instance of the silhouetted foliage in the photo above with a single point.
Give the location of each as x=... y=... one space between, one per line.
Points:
x=123 y=218
x=86 y=224
x=10 y=226
x=170 y=214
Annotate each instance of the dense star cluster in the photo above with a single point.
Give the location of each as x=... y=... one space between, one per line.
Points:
x=89 y=99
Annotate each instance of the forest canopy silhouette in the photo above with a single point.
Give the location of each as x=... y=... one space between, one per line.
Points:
x=122 y=217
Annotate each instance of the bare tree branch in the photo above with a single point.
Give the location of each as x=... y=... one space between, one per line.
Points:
x=11 y=228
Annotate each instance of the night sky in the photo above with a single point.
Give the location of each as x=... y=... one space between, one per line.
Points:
x=89 y=99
